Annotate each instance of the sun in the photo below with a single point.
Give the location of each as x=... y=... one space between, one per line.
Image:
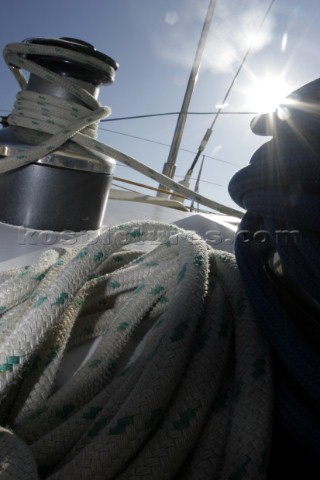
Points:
x=266 y=93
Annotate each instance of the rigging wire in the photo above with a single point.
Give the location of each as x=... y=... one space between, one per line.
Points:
x=219 y=112
x=163 y=114
x=149 y=115
x=3 y=121
x=166 y=145
x=181 y=176
x=131 y=182
x=205 y=181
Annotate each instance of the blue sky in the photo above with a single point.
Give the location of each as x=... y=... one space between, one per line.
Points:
x=154 y=41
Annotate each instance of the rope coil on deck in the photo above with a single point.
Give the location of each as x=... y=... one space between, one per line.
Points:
x=280 y=191
x=194 y=401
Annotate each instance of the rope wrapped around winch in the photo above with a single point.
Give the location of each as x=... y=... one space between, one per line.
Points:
x=194 y=401
x=65 y=121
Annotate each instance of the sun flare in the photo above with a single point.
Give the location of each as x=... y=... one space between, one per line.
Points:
x=267 y=93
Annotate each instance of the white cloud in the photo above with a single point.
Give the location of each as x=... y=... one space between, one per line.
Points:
x=233 y=29
x=171 y=18
x=231 y=37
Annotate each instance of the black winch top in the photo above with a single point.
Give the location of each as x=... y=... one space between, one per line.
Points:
x=74 y=69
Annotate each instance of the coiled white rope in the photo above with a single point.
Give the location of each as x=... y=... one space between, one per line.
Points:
x=65 y=120
x=194 y=402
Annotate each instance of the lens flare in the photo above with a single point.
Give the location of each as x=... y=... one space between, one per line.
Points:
x=267 y=93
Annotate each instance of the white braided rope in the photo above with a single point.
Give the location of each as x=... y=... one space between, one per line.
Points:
x=64 y=120
x=193 y=403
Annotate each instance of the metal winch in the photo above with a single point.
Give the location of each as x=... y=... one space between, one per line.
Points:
x=64 y=190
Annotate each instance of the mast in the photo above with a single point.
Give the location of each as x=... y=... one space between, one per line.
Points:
x=170 y=166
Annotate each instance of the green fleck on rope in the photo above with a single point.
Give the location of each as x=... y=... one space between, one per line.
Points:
x=65 y=412
x=159 y=323
x=198 y=261
x=83 y=253
x=179 y=331
x=111 y=365
x=98 y=256
x=14 y=359
x=25 y=271
x=224 y=258
x=40 y=301
x=5 y=367
x=59 y=262
x=136 y=233
x=122 y=425
x=122 y=326
x=185 y=419
x=11 y=361
x=39 y=277
x=155 y=351
x=139 y=288
x=94 y=363
x=157 y=289
x=98 y=426
x=63 y=297
x=163 y=299
x=182 y=273
x=115 y=284
x=91 y=413
x=39 y=412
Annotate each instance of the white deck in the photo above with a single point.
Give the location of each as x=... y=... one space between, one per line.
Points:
x=21 y=246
